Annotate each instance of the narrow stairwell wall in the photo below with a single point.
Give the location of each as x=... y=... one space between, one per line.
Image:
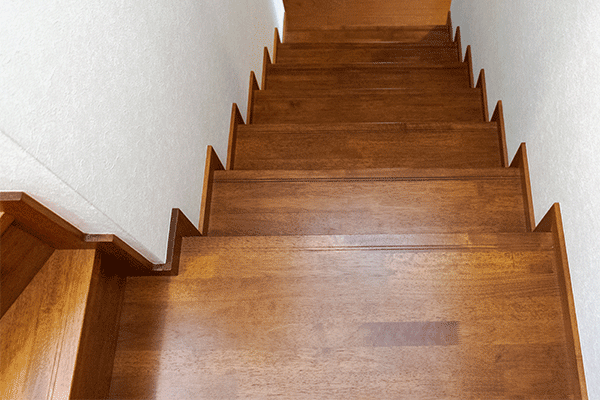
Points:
x=542 y=59
x=106 y=109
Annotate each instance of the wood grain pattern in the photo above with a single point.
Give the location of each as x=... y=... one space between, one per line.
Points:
x=367 y=105
x=44 y=326
x=434 y=34
x=552 y=222
x=212 y=164
x=267 y=317
x=366 y=202
x=334 y=13
x=365 y=76
x=358 y=146
x=498 y=118
x=95 y=356
x=318 y=53
x=37 y=220
x=5 y=221
x=520 y=162
x=236 y=121
x=21 y=257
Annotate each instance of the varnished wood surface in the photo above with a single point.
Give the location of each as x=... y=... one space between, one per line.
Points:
x=5 y=221
x=365 y=76
x=316 y=53
x=21 y=257
x=41 y=331
x=367 y=105
x=37 y=220
x=436 y=34
x=93 y=371
x=310 y=13
x=360 y=146
x=212 y=164
x=498 y=118
x=552 y=222
x=520 y=162
x=320 y=318
x=366 y=202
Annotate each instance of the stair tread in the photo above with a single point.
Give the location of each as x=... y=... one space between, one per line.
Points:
x=313 y=322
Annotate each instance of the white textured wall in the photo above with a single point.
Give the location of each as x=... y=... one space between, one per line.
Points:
x=542 y=58
x=106 y=108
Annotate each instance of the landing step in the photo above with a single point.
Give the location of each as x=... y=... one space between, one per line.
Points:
x=309 y=53
x=367 y=145
x=432 y=34
x=366 y=201
x=367 y=105
x=328 y=317
x=350 y=76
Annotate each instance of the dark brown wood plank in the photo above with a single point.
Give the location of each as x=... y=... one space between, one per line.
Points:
x=212 y=164
x=366 y=105
x=358 y=146
x=311 y=53
x=364 y=76
x=436 y=34
x=498 y=118
x=37 y=220
x=366 y=202
x=252 y=318
x=343 y=13
x=95 y=357
x=236 y=120
x=5 y=221
x=41 y=331
x=21 y=257
x=520 y=162
x=484 y=100
x=552 y=222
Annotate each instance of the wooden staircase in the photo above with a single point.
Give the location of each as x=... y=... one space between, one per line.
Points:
x=365 y=239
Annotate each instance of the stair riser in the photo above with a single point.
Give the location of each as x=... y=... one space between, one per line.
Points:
x=281 y=78
x=368 y=106
x=437 y=36
x=385 y=148
x=287 y=53
x=348 y=206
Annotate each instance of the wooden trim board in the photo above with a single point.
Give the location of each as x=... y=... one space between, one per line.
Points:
x=498 y=117
x=484 y=100
x=449 y=24
x=552 y=222
x=5 y=221
x=212 y=164
x=37 y=220
x=458 y=43
x=236 y=120
x=276 y=43
x=520 y=161
x=266 y=63
x=469 y=62
x=253 y=86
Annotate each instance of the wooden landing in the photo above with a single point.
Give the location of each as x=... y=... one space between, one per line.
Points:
x=338 y=317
